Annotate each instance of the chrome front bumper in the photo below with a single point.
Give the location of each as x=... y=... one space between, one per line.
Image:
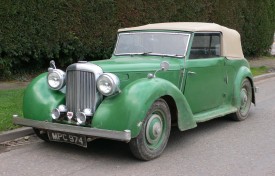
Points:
x=91 y=132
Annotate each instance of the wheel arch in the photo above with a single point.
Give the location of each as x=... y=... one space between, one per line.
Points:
x=127 y=110
x=243 y=73
x=172 y=108
x=253 y=90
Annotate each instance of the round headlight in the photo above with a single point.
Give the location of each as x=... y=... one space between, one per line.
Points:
x=108 y=84
x=56 y=79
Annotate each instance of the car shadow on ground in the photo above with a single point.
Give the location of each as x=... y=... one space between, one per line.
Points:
x=102 y=149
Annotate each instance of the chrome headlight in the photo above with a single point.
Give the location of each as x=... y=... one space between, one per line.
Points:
x=108 y=84
x=56 y=79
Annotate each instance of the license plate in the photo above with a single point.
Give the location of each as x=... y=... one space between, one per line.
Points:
x=68 y=138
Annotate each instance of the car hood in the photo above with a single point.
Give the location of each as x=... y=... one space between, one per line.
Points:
x=136 y=63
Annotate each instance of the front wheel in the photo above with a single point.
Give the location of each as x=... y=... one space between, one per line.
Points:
x=246 y=99
x=153 y=137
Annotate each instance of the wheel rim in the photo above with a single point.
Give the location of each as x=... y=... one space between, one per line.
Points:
x=245 y=102
x=155 y=129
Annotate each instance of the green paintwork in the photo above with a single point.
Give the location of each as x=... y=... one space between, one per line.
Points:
x=202 y=89
x=205 y=88
x=237 y=71
x=136 y=63
x=131 y=68
x=243 y=73
x=39 y=100
x=128 y=109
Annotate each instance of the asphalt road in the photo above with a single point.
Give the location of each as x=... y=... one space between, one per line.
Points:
x=218 y=147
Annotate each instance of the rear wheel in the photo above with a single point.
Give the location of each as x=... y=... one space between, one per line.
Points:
x=41 y=134
x=246 y=99
x=153 y=137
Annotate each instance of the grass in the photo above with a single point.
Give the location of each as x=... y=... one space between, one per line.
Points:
x=262 y=69
x=262 y=57
x=10 y=103
x=268 y=57
x=259 y=70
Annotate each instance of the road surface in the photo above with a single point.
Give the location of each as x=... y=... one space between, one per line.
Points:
x=219 y=147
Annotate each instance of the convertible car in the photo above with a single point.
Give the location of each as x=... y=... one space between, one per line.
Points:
x=159 y=75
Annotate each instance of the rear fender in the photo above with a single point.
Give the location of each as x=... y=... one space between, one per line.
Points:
x=244 y=72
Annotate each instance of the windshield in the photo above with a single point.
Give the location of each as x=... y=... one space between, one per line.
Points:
x=152 y=43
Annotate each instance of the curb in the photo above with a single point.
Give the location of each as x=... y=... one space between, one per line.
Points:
x=14 y=134
x=24 y=131
x=264 y=76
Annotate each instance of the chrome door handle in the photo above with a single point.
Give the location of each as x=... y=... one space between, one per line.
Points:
x=191 y=73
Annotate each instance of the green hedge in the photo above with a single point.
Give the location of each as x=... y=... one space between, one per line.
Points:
x=33 y=32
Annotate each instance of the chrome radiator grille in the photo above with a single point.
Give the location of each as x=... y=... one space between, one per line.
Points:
x=80 y=91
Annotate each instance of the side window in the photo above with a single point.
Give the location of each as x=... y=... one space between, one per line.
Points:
x=206 y=45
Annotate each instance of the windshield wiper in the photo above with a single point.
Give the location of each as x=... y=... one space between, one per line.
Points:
x=143 y=54
x=172 y=55
x=155 y=54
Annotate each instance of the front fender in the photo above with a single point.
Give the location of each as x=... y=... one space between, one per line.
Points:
x=39 y=100
x=244 y=72
x=127 y=110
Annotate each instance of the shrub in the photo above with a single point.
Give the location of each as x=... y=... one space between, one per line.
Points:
x=34 y=32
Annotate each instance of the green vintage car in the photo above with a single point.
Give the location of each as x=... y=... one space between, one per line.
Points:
x=159 y=75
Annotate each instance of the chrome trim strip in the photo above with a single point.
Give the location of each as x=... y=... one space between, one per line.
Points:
x=86 y=67
x=93 y=132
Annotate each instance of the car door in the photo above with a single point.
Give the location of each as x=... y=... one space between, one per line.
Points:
x=204 y=87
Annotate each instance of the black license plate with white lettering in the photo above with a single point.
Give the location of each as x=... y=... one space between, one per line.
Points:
x=68 y=138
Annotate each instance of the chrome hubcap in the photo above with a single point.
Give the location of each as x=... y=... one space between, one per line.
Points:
x=154 y=129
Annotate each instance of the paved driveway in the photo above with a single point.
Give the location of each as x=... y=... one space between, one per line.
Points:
x=218 y=147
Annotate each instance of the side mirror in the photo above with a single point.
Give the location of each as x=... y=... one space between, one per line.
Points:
x=164 y=66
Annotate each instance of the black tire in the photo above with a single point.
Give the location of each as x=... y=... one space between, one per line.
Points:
x=42 y=135
x=246 y=99
x=154 y=135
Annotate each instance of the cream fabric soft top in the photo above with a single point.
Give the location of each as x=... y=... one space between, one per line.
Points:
x=231 y=40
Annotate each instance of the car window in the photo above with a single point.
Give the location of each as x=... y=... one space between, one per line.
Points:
x=152 y=43
x=205 y=45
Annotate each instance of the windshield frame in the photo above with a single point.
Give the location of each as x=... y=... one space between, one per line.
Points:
x=150 y=53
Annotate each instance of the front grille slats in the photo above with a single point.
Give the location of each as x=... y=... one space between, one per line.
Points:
x=81 y=91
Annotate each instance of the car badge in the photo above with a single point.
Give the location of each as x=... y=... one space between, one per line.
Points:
x=70 y=115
